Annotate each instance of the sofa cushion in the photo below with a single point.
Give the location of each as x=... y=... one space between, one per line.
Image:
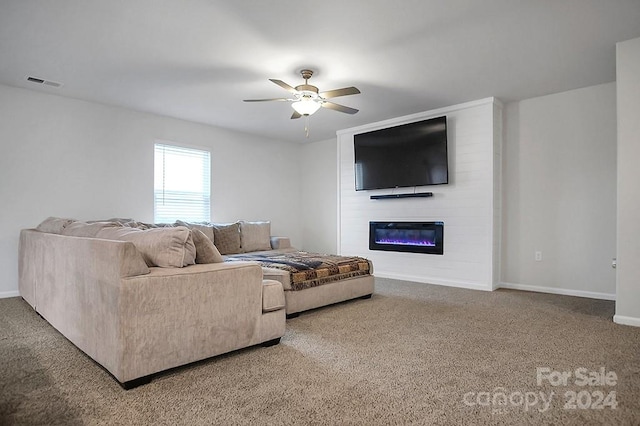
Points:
x=164 y=247
x=205 y=227
x=54 y=225
x=279 y=243
x=272 y=296
x=84 y=229
x=139 y=225
x=206 y=252
x=226 y=238
x=120 y=220
x=255 y=236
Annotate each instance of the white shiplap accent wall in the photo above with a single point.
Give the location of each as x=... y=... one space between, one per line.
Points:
x=469 y=205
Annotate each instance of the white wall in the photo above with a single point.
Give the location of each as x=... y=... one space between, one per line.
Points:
x=70 y=158
x=468 y=205
x=318 y=199
x=628 y=102
x=66 y=157
x=559 y=183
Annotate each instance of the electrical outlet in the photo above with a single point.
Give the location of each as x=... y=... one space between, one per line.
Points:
x=538 y=255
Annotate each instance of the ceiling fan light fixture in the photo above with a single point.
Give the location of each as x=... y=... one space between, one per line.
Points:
x=306 y=106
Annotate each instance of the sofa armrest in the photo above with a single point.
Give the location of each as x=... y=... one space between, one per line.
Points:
x=272 y=296
x=280 y=243
x=54 y=263
x=174 y=316
x=75 y=284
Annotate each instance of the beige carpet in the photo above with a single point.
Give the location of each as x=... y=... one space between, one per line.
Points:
x=412 y=354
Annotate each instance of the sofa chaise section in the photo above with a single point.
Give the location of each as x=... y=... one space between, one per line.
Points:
x=298 y=301
x=319 y=289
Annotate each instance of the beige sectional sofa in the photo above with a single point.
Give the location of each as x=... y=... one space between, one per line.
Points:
x=143 y=298
x=136 y=320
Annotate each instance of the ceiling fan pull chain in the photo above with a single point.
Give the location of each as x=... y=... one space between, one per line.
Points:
x=306 y=126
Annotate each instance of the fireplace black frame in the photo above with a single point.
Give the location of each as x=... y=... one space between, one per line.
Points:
x=437 y=227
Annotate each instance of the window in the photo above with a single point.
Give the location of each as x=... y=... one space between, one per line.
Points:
x=181 y=188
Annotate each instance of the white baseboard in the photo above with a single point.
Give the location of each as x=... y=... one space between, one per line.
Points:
x=563 y=291
x=620 y=319
x=5 y=294
x=428 y=280
x=513 y=286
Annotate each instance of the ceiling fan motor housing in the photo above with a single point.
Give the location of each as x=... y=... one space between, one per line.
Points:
x=306 y=88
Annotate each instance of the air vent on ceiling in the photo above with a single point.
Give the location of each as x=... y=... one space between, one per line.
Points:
x=43 y=81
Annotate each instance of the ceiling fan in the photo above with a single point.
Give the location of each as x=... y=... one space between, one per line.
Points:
x=307 y=99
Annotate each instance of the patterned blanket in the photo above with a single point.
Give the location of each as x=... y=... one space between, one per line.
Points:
x=309 y=269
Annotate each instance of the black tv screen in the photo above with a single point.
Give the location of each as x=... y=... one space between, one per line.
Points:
x=413 y=154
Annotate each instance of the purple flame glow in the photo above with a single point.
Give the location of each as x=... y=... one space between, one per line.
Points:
x=406 y=242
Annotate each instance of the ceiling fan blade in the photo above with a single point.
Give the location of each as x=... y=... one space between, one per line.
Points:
x=337 y=107
x=339 y=92
x=267 y=100
x=284 y=85
x=295 y=114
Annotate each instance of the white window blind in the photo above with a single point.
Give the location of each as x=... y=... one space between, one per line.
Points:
x=181 y=184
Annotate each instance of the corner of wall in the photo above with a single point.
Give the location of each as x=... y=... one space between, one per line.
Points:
x=628 y=173
x=623 y=320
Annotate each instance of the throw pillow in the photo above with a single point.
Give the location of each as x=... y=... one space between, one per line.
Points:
x=164 y=247
x=255 y=236
x=226 y=238
x=206 y=252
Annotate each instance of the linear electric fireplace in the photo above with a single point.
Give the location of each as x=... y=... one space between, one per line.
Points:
x=414 y=237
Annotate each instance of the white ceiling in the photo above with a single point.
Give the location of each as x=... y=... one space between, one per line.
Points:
x=198 y=59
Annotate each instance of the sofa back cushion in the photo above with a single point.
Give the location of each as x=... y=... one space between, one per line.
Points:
x=204 y=227
x=164 y=247
x=54 y=225
x=84 y=229
x=255 y=236
x=226 y=238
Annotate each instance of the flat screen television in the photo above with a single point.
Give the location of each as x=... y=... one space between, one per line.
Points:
x=413 y=154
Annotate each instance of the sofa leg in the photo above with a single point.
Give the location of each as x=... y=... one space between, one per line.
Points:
x=271 y=342
x=136 y=382
x=293 y=315
x=366 y=296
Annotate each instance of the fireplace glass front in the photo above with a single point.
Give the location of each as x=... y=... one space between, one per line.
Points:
x=414 y=237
